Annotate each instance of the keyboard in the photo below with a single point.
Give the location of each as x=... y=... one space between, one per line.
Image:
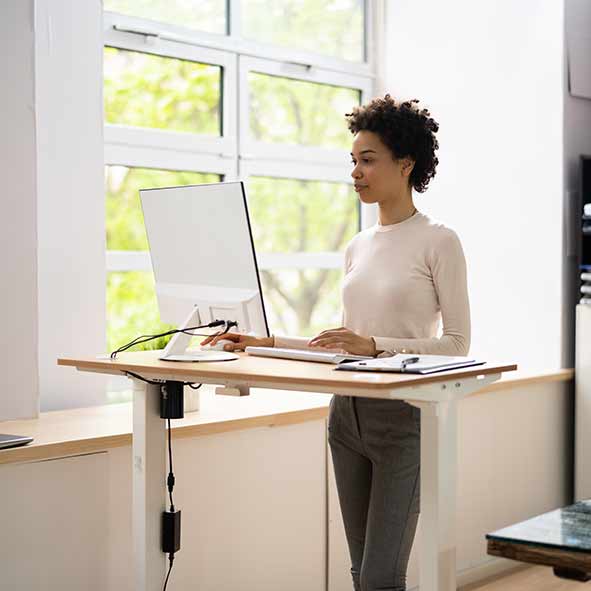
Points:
x=304 y=355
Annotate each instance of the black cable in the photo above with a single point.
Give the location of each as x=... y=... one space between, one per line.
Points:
x=192 y=385
x=134 y=375
x=149 y=337
x=188 y=331
x=170 y=559
x=170 y=481
x=170 y=485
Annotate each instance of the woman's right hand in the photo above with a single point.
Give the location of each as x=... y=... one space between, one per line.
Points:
x=239 y=341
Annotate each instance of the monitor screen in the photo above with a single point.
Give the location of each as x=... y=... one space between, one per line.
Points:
x=203 y=254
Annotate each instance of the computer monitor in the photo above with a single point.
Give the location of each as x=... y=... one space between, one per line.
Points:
x=204 y=260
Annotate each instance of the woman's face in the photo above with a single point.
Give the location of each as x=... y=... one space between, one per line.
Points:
x=378 y=177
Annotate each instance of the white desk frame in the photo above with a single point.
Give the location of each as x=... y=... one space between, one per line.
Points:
x=439 y=416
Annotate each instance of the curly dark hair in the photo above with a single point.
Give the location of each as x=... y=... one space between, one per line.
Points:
x=407 y=131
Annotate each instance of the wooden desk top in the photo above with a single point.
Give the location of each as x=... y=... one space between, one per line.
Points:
x=278 y=373
x=86 y=430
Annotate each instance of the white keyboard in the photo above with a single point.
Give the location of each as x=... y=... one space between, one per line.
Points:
x=304 y=355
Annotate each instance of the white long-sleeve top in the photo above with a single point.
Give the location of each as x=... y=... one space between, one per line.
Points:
x=403 y=283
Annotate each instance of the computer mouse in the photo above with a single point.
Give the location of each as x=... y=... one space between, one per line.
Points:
x=219 y=346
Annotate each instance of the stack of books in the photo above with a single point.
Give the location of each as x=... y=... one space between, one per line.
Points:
x=585 y=287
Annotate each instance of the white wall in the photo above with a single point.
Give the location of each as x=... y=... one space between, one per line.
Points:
x=492 y=74
x=18 y=222
x=71 y=200
x=577 y=141
x=52 y=227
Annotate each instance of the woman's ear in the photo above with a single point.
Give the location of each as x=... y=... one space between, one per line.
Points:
x=406 y=166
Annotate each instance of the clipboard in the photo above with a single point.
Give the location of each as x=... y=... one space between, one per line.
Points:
x=408 y=363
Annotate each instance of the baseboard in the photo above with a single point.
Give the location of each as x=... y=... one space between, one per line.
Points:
x=491 y=569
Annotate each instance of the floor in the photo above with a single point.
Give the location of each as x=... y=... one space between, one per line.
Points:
x=530 y=578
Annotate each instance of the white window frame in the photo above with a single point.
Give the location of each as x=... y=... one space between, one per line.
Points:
x=251 y=148
x=235 y=43
x=128 y=260
x=147 y=157
x=339 y=172
x=224 y=144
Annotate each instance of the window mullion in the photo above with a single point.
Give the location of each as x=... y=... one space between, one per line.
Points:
x=234 y=18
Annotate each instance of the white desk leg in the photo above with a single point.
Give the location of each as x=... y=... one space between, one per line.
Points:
x=439 y=471
x=149 y=487
x=438 y=495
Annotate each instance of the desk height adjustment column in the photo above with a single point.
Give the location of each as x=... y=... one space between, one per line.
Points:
x=439 y=467
x=171 y=407
x=149 y=496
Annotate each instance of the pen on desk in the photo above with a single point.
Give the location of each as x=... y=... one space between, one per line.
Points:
x=408 y=361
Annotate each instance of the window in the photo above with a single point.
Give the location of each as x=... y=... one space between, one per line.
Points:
x=131 y=300
x=195 y=93
x=201 y=15
x=287 y=111
x=299 y=228
x=150 y=91
x=329 y=27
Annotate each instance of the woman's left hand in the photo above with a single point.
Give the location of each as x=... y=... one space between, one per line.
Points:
x=343 y=338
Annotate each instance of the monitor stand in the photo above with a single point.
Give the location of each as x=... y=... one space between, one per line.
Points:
x=207 y=355
x=176 y=350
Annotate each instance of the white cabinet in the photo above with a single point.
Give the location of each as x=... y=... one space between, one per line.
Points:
x=259 y=506
x=253 y=506
x=54 y=524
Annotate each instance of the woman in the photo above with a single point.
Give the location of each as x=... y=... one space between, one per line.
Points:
x=402 y=277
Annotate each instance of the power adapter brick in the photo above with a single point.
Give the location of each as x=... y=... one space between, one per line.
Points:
x=171 y=531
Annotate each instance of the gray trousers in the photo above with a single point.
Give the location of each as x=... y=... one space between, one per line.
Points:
x=375 y=447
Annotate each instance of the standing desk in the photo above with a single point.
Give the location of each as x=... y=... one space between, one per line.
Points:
x=437 y=396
